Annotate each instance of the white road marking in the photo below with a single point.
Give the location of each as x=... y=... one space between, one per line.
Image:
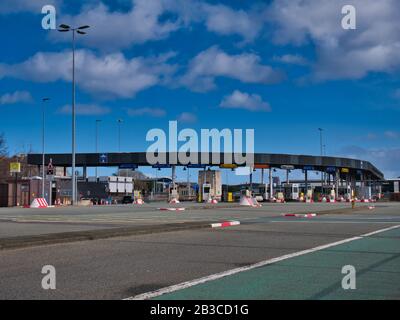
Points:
x=191 y=283
x=357 y=222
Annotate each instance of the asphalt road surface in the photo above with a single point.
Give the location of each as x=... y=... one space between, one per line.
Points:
x=232 y=263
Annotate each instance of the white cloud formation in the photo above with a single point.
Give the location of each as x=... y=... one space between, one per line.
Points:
x=213 y=62
x=85 y=109
x=243 y=100
x=291 y=59
x=224 y=20
x=341 y=54
x=16 y=97
x=187 y=117
x=146 y=111
x=111 y=30
x=110 y=75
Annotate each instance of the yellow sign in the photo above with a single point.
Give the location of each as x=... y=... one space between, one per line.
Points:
x=228 y=166
x=345 y=170
x=15 y=167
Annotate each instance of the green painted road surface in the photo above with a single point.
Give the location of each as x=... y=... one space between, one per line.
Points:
x=315 y=275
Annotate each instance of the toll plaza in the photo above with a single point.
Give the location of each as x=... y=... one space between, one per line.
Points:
x=339 y=176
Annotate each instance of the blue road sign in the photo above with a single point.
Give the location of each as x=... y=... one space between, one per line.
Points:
x=161 y=166
x=196 y=166
x=308 y=168
x=103 y=158
x=128 y=166
x=331 y=169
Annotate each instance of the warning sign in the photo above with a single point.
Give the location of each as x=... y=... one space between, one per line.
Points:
x=15 y=167
x=50 y=168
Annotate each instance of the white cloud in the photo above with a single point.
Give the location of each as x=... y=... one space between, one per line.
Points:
x=152 y=112
x=187 y=117
x=16 y=97
x=109 y=75
x=85 y=109
x=213 y=62
x=111 y=30
x=349 y=54
x=291 y=59
x=226 y=21
x=242 y=100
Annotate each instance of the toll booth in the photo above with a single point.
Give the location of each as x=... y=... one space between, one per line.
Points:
x=213 y=179
x=291 y=191
x=206 y=191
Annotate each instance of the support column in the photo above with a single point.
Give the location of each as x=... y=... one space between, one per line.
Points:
x=262 y=176
x=306 y=182
x=85 y=172
x=271 y=185
x=173 y=193
x=251 y=181
x=287 y=175
x=337 y=183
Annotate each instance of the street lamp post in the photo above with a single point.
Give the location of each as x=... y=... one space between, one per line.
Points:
x=66 y=28
x=321 y=147
x=97 y=141
x=43 y=142
x=119 y=134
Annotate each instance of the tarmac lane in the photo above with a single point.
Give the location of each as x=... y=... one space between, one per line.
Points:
x=127 y=267
x=311 y=276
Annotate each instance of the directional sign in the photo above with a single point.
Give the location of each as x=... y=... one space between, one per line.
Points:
x=330 y=169
x=308 y=168
x=196 y=166
x=103 y=158
x=128 y=166
x=261 y=166
x=159 y=166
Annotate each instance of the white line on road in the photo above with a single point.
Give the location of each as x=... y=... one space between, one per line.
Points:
x=188 y=284
x=335 y=222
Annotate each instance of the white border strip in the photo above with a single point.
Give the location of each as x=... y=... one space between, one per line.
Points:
x=223 y=274
x=225 y=224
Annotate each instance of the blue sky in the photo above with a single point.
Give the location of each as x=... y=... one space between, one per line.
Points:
x=281 y=67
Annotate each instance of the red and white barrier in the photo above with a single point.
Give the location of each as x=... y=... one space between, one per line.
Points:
x=225 y=224
x=298 y=215
x=138 y=201
x=171 y=209
x=214 y=201
x=174 y=200
x=249 y=202
x=39 y=203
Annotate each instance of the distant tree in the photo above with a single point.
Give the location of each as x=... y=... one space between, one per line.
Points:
x=3 y=146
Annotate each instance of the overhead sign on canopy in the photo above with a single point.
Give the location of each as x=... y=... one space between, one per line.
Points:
x=261 y=166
